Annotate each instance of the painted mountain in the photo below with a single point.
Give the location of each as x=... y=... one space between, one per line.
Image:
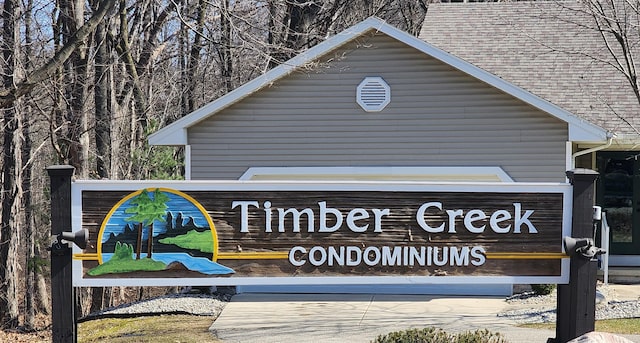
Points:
x=177 y=226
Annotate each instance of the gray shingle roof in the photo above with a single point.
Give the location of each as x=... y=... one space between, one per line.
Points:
x=546 y=48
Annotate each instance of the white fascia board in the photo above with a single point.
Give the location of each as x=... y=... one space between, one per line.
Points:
x=585 y=132
x=172 y=135
x=176 y=136
x=383 y=171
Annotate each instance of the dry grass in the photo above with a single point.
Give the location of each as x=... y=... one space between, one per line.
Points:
x=43 y=336
x=156 y=329
x=627 y=326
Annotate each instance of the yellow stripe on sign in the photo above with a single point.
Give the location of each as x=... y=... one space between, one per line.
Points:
x=255 y=255
x=85 y=257
x=525 y=255
x=276 y=255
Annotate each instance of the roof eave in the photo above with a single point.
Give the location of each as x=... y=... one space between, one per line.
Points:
x=176 y=136
x=585 y=132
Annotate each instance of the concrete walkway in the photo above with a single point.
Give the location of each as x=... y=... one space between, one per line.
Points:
x=357 y=318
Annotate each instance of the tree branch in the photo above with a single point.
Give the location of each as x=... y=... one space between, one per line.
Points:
x=9 y=95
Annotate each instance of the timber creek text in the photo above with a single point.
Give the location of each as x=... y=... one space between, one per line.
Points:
x=432 y=217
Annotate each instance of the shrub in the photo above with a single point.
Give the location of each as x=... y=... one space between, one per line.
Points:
x=543 y=289
x=434 y=335
x=478 y=336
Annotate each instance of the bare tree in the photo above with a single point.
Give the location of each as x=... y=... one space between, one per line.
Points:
x=618 y=23
x=9 y=238
x=85 y=82
x=193 y=57
x=33 y=276
x=19 y=78
x=10 y=93
x=102 y=100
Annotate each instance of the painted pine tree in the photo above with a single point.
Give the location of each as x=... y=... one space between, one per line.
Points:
x=146 y=210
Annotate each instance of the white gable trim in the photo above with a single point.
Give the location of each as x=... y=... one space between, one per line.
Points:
x=445 y=174
x=175 y=133
x=172 y=134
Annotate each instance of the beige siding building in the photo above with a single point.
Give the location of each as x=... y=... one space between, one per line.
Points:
x=375 y=103
x=441 y=114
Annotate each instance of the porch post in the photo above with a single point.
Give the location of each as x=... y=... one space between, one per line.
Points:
x=576 y=306
x=63 y=319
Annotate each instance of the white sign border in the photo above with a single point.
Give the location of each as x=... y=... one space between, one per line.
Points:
x=79 y=186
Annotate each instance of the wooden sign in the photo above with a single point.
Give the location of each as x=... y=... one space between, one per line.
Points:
x=239 y=233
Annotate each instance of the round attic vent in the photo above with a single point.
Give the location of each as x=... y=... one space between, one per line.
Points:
x=373 y=94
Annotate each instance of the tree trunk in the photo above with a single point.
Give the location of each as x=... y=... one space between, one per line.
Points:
x=102 y=100
x=194 y=56
x=150 y=241
x=41 y=292
x=225 y=45
x=183 y=46
x=139 y=113
x=9 y=200
x=32 y=260
x=9 y=266
x=274 y=35
x=96 y=299
x=139 y=241
x=75 y=83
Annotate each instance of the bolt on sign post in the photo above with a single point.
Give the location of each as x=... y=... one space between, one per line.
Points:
x=62 y=295
x=229 y=233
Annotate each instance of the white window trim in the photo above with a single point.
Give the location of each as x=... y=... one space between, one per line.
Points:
x=624 y=260
x=187 y=162
x=448 y=174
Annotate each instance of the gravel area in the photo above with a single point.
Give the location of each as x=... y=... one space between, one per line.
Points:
x=195 y=304
x=525 y=307
x=530 y=308
x=613 y=310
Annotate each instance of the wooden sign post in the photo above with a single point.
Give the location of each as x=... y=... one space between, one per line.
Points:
x=576 y=308
x=63 y=319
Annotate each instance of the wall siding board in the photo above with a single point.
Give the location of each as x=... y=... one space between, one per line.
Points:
x=325 y=159
x=363 y=138
x=438 y=116
x=310 y=148
x=307 y=120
